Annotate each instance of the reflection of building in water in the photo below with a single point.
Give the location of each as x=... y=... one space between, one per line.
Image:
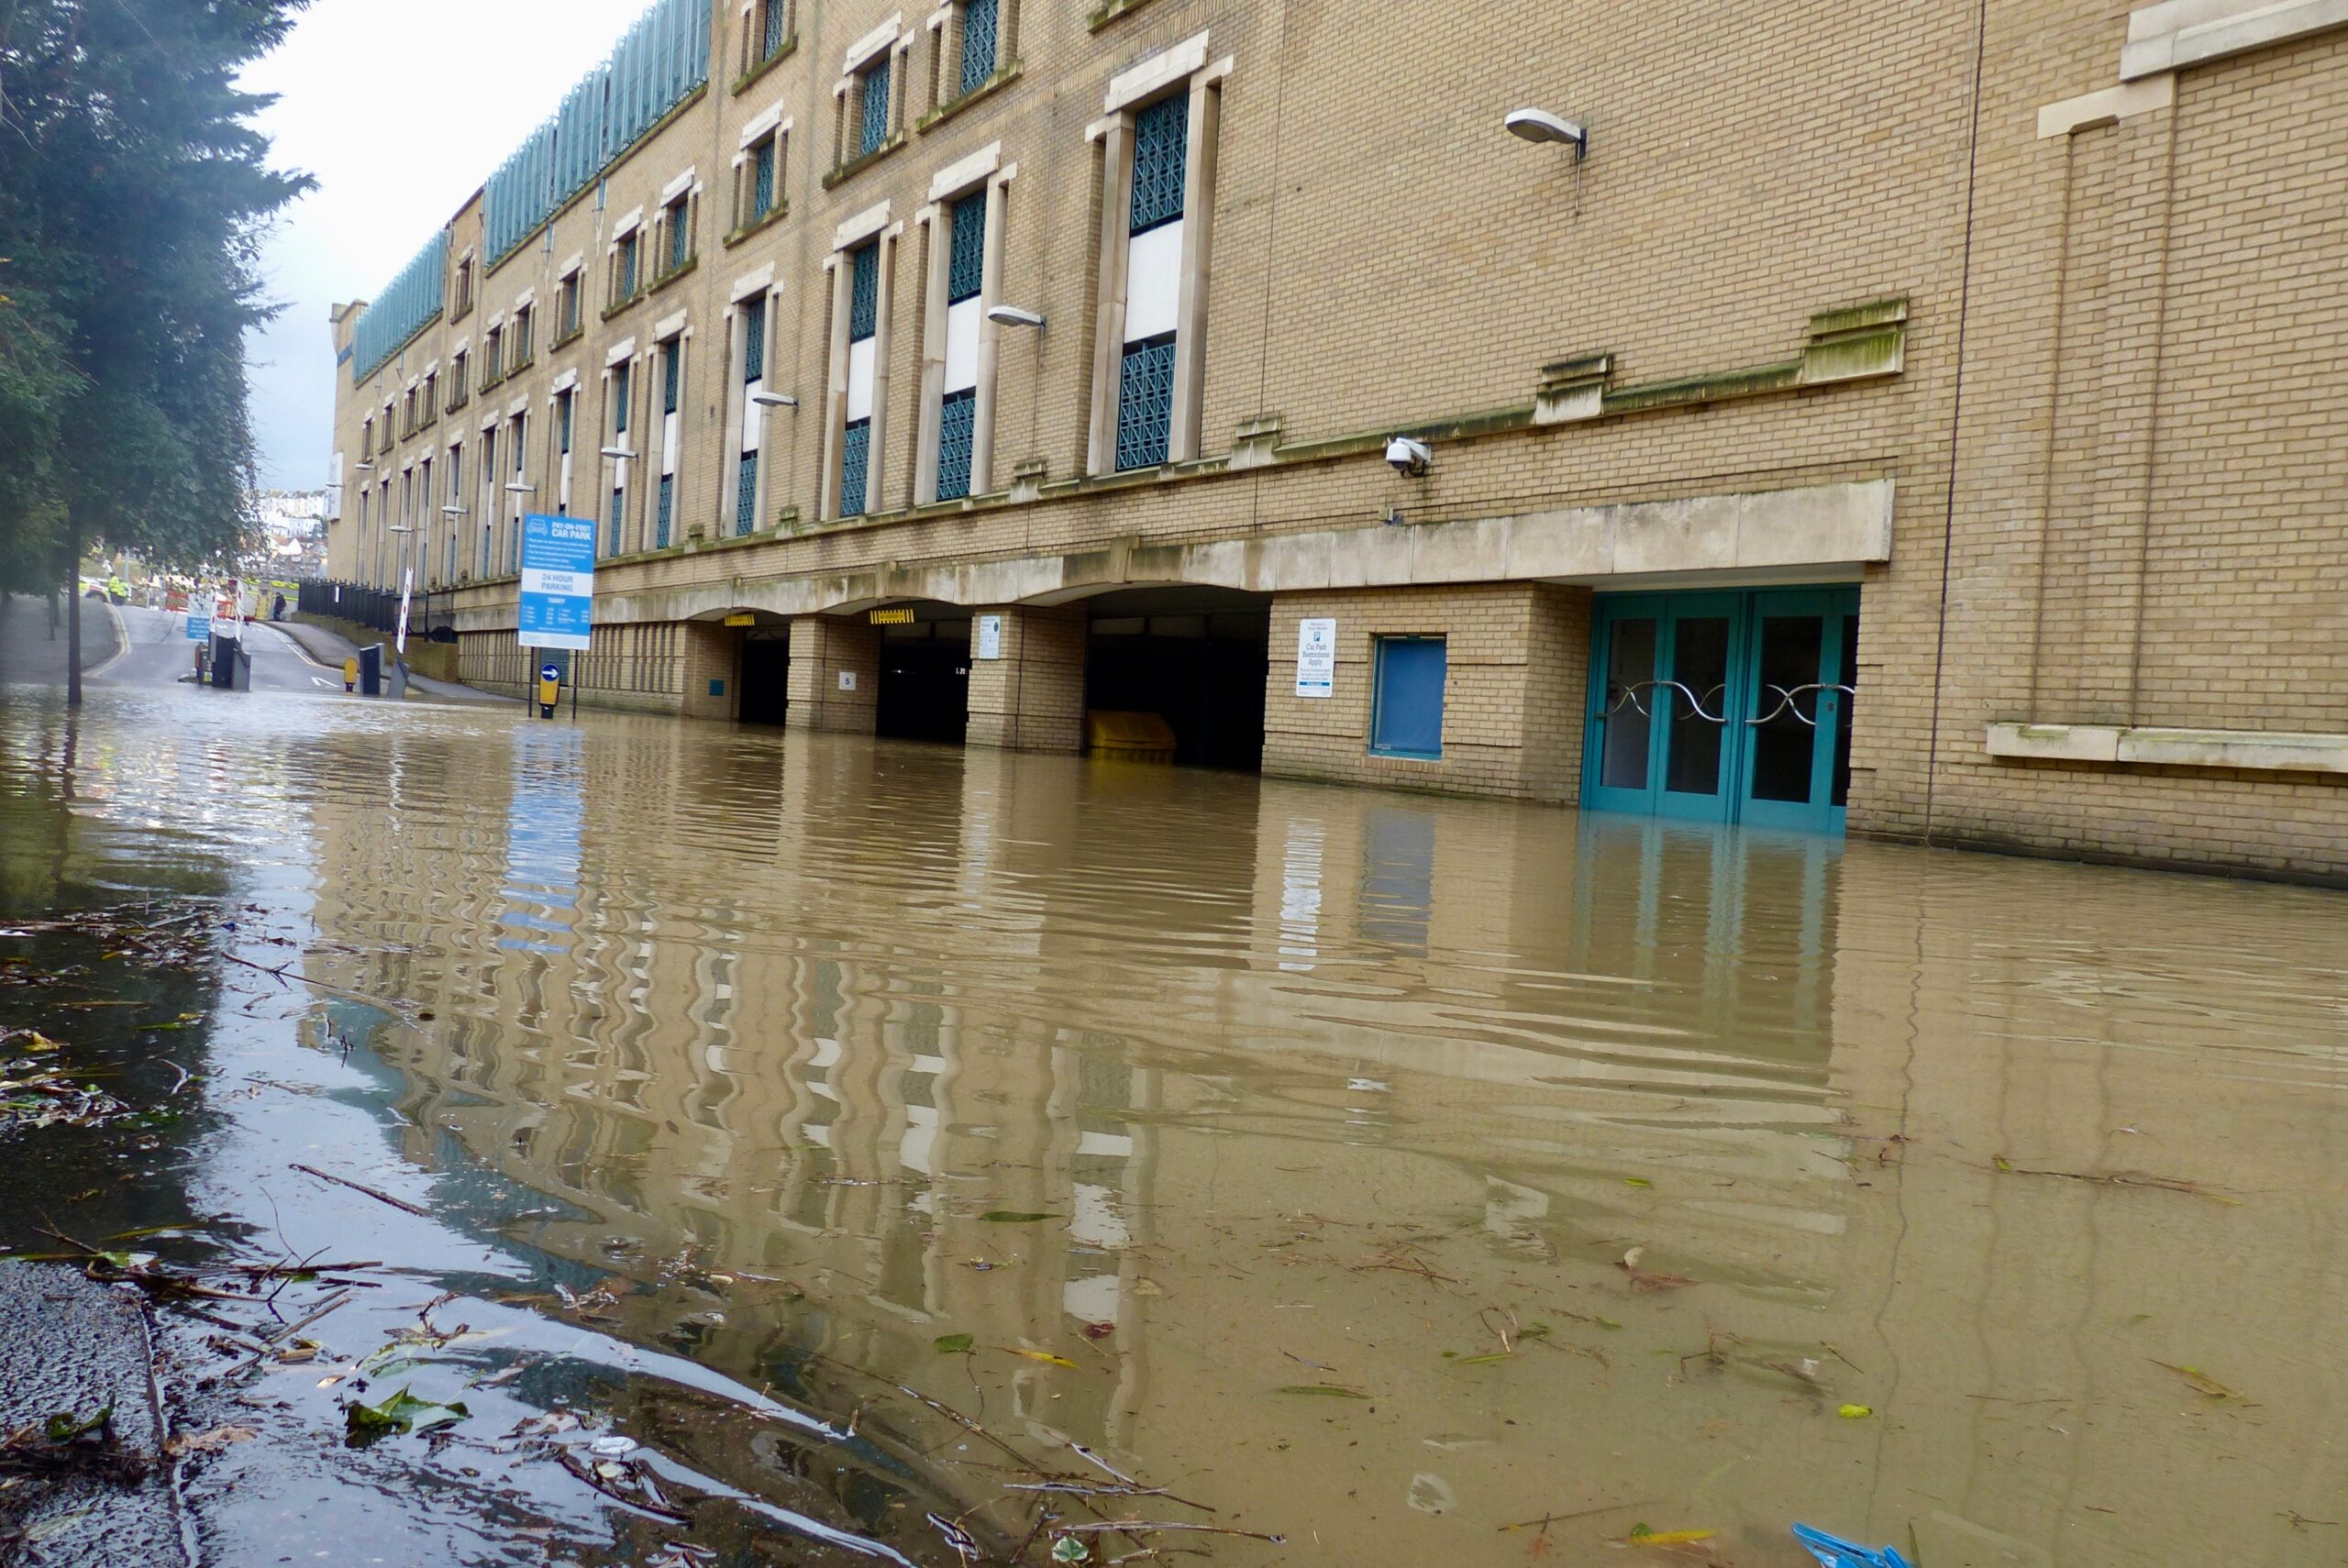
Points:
x=1316 y=1086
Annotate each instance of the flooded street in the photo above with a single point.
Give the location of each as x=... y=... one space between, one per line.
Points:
x=872 y=1128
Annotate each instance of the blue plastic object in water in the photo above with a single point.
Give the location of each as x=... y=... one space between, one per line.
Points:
x=1835 y=1553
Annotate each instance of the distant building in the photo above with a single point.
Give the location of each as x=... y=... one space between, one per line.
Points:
x=966 y=374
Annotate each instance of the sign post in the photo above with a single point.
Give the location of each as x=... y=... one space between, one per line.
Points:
x=407 y=587
x=557 y=607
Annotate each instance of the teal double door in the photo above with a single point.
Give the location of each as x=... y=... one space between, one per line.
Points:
x=1729 y=707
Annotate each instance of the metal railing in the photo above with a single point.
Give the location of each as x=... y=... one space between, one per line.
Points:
x=432 y=615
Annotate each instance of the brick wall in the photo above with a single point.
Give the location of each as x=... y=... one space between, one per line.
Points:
x=1516 y=686
x=822 y=650
x=1031 y=699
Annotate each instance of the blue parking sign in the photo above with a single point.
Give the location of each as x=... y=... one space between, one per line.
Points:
x=558 y=581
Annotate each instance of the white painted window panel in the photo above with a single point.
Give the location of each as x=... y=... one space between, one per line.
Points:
x=753 y=421
x=860 y=364
x=563 y=495
x=1154 y=282
x=962 y=345
x=334 y=491
x=669 y=428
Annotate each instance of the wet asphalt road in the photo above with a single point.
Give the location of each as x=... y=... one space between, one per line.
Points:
x=156 y=652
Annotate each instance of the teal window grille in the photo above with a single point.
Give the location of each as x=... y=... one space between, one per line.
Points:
x=562 y=412
x=668 y=509
x=864 y=294
x=484 y=549
x=627 y=267
x=981 y=24
x=754 y=341
x=1406 y=716
x=679 y=235
x=672 y=363
x=967 y=261
x=612 y=521
x=957 y=425
x=771 y=34
x=872 y=108
x=746 y=495
x=762 y=178
x=1162 y=161
x=856 y=458
x=1145 y=403
x=620 y=383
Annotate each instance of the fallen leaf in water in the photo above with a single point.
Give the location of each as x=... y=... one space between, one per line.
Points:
x=1013 y=1217
x=954 y=1344
x=1641 y=1536
x=1486 y=1360
x=1324 y=1390
x=2201 y=1381
x=1047 y=1357
x=403 y=1412
x=1636 y=1181
x=2002 y=1162
x=1855 y=1412
x=211 y=1441
x=1099 y=1331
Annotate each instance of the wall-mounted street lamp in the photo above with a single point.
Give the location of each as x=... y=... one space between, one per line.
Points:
x=1011 y=315
x=618 y=453
x=764 y=400
x=1542 y=127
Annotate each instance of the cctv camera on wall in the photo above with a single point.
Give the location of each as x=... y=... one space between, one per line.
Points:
x=1407 y=456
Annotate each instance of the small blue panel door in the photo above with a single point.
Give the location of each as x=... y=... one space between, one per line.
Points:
x=1407 y=717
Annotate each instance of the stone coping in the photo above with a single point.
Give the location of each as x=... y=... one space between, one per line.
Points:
x=2258 y=751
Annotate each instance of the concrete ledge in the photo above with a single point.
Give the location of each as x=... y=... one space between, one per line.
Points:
x=2108 y=107
x=2243 y=749
x=1829 y=528
x=2179 y=33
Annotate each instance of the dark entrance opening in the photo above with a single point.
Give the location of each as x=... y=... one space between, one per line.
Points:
x=925 y=674
x=1196 y=657
x=764 y=680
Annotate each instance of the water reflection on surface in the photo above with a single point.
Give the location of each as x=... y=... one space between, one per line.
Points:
x=1328 y=1093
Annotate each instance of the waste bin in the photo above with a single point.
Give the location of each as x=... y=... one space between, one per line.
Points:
x=241 y=668
x=370 y=671
x=1130 y=737
x=224 y=663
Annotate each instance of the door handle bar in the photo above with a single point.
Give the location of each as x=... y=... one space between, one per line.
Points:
x=1629 y=698
x=1786 y=703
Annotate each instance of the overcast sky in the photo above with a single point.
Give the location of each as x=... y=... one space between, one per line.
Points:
x=399 y=112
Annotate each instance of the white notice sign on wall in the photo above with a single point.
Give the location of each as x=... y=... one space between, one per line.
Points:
x=1316 y=658
x=990 y=637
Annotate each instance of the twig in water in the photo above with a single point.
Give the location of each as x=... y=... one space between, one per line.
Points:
x=1142 y=1527
x=269 y=1346
x=379 y=1197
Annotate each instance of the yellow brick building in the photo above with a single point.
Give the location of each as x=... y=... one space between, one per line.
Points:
x=960 y=374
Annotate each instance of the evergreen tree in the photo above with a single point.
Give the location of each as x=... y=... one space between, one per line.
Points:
x=133 y=193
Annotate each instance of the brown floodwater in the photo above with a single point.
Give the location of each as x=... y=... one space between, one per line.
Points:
x=1388 y=1173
